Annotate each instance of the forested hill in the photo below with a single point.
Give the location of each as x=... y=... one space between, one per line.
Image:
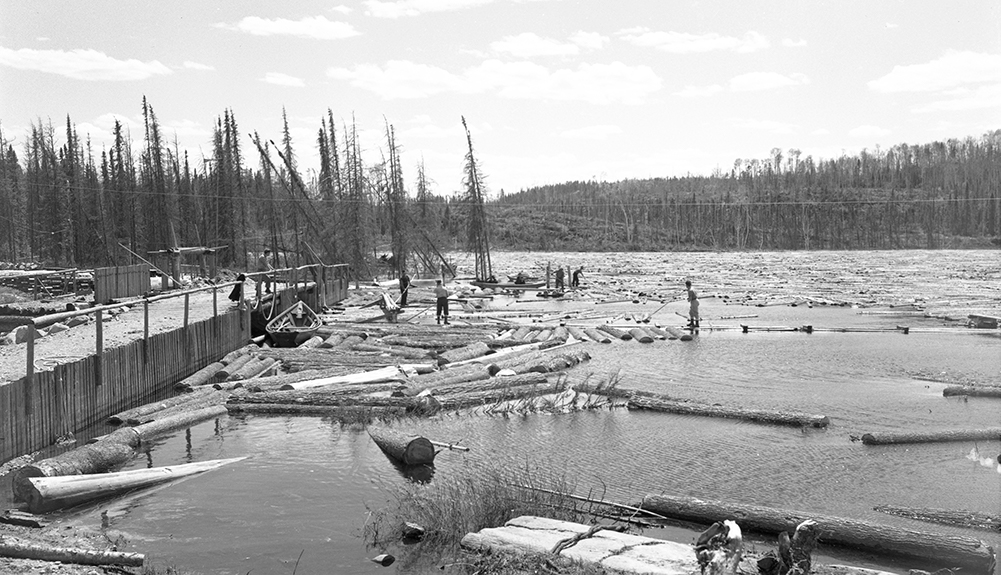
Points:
x=938 y=195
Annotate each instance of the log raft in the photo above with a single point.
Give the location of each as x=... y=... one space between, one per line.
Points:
x=930 y=548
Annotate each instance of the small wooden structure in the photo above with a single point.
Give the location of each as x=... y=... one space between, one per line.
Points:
x=298 y=322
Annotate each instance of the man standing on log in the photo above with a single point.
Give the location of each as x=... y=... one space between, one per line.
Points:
x=441 y=293
x=577 y=275
x=559 y=278
x=693 y=306
x=404 y=288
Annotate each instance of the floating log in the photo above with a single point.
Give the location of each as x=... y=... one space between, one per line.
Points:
x=204 y=397
x=476 y=349
x=251 y=369
x=597 y=335
x=553 y=363
x=561 y=333
x=654 y=402
x=135 y=415
x=352 y=413
x=19 y=548
x=502 y=382
x=676 y=333
x=615 y=332
x=543 y=335
x=930 y=548
x=889 y=438
x=238 y=353
x=234 y=366
x=203 y=376
x=51 y=493
x=314 y=341
x=406 y=448
x=640 y=335
x=158 y=427
x=972 y=390
x=521 y=332
x=389 y=373
x=115 y=449
x=393 y=350
x=577 y=333
x=332 y=341
x=968 y=519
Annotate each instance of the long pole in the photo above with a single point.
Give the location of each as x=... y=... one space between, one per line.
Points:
x=144 y=260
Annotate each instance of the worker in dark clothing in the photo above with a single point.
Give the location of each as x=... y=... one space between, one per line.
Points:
x=577 y=274
x=404 y=288
x=559 y=279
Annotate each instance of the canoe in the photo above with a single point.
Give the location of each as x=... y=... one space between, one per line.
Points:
x=507 y=285
x=297 y=323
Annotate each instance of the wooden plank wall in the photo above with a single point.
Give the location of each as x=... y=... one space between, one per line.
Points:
x=120 y=282
x=77 y=395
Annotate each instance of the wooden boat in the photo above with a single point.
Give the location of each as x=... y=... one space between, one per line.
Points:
x=507 y=285
x=297 y=323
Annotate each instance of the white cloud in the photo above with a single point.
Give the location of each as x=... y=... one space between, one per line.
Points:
x=821 y=132
x=683 y=43
x=755 y=81
x=770 y=126
x=598 y=132
x=699 y=91
x=528 y=45
x=415 y=7
x=979 y=99
x=342 y=9
x=81 y=64
x=891 y=25
x=43 y=39
x=196 y=66
x=868 y=131
x=593 y=83
x=790 y=43
x=317 y=27
x=590 y=40
x=279 y=79
x=953 y=69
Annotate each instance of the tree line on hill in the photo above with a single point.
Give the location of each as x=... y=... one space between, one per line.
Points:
x=63 y=203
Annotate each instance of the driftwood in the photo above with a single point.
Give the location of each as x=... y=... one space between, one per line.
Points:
x=720 y=548
x=973 y=390
x=341 y=396
x=494 y=395
x=19 y=548
x=929 y=548
x=888 y=438
x=203 y=376
x=643 y=400
x=968 y=519
x=405 y=448
x=115 y=449
x=51 y=493
x=794 y=556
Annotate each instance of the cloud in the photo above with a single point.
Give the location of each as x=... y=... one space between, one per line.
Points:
x=342 y=9
x=770 y=126
x=528 y=45
x=953 y=69
x=416 y=7
x=593 y=83
x=891 y=25
x=821 y=132
x=81 y=64
x=43 y=39
x=682 y=43
x=590 y=40
x=790 y=43
x=279 y=79
x=196 y=66
x=699 y=91
x=978 y=99
x=868 y=131
x=598 y=132
x=317 y=27
x=755 y=81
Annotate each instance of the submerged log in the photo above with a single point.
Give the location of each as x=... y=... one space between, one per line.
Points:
x=972 y=390
x=51 y=493
x=930 y=548
x=19 y=548
x=115 y=449
x=405 y=448
x=968 y=519
x=888 y=438
x=654 y=402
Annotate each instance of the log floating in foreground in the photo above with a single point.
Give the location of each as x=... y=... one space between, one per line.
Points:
x=968 y=519
x=406 y=448
x=890 y=438
x=972 y=390
x=19 y=548
x=655 y=402
x=925 y=548
x=50 y=493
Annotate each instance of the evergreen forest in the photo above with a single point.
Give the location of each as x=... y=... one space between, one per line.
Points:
x=65 y=204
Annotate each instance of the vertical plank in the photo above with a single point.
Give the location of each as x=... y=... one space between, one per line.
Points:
x=29 y=369
x=99 y=327
x=145 y=330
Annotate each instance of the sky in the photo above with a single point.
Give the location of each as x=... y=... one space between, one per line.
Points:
x=552 y=90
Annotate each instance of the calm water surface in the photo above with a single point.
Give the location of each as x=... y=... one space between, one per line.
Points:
x=309 y=484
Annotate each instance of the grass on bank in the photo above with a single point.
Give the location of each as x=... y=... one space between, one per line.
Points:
x=449 y=507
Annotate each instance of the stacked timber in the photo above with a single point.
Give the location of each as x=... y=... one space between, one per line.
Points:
x=926 y=548
x=656 y=402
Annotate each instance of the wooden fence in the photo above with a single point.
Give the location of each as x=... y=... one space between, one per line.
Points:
x=42 y=283
x=42 y=406
x=120 y=282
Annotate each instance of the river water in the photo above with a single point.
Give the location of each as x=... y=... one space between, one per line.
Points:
x=309 y=484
